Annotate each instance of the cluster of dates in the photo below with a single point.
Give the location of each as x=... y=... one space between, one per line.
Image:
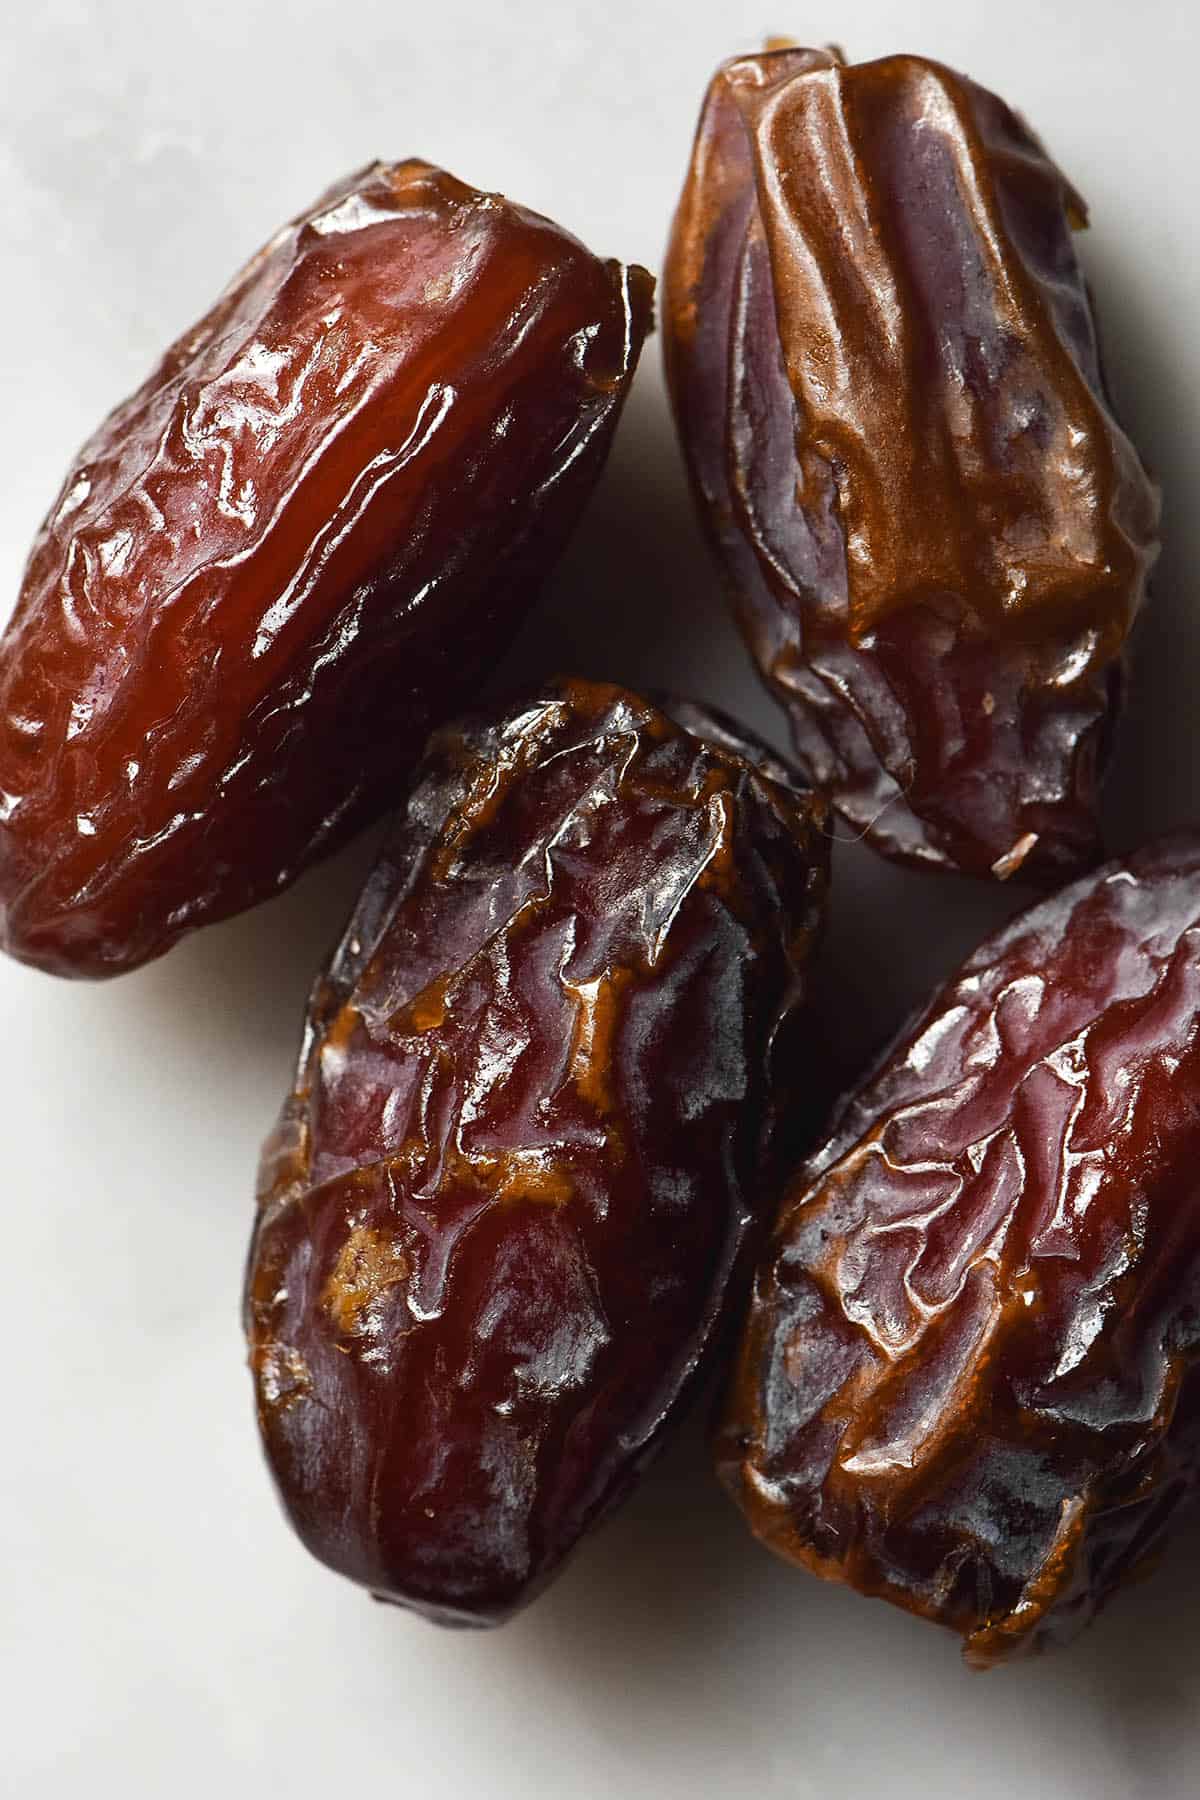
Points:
x=533 y=1154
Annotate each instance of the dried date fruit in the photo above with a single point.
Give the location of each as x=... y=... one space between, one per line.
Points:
x=518 y=1175
x=296 y=548
x=970 y=1380
x=886 y=380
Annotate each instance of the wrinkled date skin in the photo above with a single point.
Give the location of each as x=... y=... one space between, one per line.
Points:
x=295 y=549
x=519 y=1173
x=970 y=1381
x=886 y=381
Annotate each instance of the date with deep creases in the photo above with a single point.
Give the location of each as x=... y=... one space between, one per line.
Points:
x=970 y=1380
x=514 y=1188
x=886 y=378
x=301 y=544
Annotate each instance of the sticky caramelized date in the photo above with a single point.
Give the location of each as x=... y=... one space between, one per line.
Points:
x=292 y=551
x=970 y=1381
x=519 y=1171
x=886 y=380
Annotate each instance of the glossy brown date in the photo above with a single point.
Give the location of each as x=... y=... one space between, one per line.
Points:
x=520 y=1169
x=970 y=1380
x=298 y=546
x=886 y=380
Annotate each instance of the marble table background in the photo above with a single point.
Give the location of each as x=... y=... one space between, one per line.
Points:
x=161 y=1633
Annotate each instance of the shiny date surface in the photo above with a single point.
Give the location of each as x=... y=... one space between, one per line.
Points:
x=970 y=1380
x=887 y=385
x=296 y=548
x=522 y=1165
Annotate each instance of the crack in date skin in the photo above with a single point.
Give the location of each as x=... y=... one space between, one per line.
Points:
x=970 y=1378
x=886 y=380
x=300 y=545
x=518 y=1179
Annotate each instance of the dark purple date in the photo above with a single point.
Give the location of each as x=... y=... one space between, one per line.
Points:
x=970 y=1380
x=887 y=384
x=522 y=1164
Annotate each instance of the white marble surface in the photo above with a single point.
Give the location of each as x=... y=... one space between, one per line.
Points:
x=160 y=1632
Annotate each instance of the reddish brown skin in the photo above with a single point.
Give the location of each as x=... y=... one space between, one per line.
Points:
x=296 y=548
x=886 y=380
x=517 y=1180
x=970 y=1378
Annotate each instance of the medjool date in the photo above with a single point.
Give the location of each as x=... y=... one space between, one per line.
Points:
x=298 y=546
x=970 y=1381
x=886 y=380
x=520 y=1169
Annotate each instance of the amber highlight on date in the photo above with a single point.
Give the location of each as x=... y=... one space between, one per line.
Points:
x=886 y=380
x=302 y=543
x=970 y=1378
x=523 y=1165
